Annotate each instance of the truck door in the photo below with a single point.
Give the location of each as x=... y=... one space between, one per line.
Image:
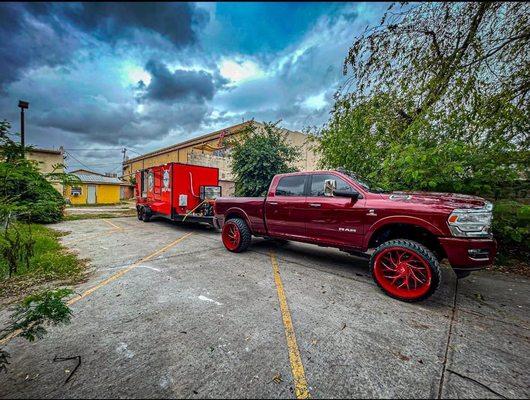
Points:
x=284 y=209
x=334 y=220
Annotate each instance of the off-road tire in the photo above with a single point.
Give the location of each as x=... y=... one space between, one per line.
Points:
x=146 y=214
x=245 y=235
x=421 y=251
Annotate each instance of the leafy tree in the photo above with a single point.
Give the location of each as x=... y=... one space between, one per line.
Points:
x=26 y=195
x=24 y=191
x=438 y=100
x=442 y=55
x=260 y=153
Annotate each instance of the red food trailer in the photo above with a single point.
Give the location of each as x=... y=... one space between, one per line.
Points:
x=178 y=192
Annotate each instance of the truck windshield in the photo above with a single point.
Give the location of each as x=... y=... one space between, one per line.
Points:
x=361 y=182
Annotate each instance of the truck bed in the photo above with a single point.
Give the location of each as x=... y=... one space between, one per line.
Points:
x=248 y=208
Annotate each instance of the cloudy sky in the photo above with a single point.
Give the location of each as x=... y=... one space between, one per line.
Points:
x=103 y=76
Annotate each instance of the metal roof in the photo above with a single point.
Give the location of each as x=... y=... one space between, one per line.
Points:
x=47 y=151
x=197 y=140
x=89 y=178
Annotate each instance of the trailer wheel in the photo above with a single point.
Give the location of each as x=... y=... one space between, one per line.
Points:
x=236 y=235
x=146 y=214
x=405 y=270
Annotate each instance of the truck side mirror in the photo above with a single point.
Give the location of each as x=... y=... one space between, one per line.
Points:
x=329 y=187
x=352 y=194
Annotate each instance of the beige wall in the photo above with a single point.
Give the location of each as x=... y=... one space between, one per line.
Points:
x=308 y=157
x=228 y=188
x=46 y=161
x=191 y=155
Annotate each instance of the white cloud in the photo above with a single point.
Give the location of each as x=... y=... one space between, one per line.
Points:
x=237 y=70
x=316 y=102
x=133 y=74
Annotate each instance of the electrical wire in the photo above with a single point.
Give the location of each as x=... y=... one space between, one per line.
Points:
x=80 y=162
x=89 y=149
x=198 y=205
x=191 y=186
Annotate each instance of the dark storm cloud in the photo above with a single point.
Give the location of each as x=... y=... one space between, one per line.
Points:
x=78 y=64
x=26 y=42
x=112 y=21
x=48 y=34
x=178 y=85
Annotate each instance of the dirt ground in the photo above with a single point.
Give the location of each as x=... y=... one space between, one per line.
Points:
x=168 y=312
x=100 y=209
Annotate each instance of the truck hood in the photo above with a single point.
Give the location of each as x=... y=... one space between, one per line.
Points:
x=447 y=201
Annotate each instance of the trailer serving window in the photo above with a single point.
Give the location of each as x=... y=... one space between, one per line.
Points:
x=145 y=178
x=158 y=181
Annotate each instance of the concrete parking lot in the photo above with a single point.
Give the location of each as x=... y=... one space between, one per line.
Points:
x=168 y=312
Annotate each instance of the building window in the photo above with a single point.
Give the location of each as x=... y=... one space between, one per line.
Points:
x=75 y=191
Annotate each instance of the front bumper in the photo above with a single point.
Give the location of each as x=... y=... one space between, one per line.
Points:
x=469 y=254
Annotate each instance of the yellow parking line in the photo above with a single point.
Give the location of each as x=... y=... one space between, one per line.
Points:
x=115 y=228
x=112 y=224
x=297 y=368
x=122 y=272
x=108 y=280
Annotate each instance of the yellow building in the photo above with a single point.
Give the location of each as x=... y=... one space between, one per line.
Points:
x=94 y=188
x=48 y=161
x=211 y=150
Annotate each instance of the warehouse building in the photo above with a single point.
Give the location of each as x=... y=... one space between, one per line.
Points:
x=211 y=150
x=94 y=188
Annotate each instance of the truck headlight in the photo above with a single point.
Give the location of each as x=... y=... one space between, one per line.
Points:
x=471 y=222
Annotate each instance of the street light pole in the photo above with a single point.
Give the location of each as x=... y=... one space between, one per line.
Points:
x=23 y=106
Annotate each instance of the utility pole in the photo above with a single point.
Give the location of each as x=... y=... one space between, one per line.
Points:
x=24 y=105
x=124 y=151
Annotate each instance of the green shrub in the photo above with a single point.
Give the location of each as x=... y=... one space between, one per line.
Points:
x=33 y=198
x=511 y=227
x=24 y=191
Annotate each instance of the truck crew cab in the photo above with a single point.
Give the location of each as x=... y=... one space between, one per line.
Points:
x=407 y=234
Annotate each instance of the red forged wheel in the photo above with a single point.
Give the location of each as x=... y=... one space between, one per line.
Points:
x=405 y=270
x=231 y=236
x=236 y=235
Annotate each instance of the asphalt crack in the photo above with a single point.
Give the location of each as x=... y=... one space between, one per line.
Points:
x=477 y=382
x=449 y=334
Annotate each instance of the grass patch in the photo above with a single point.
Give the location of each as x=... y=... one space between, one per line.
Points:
x=76 y=217
x=50 y=262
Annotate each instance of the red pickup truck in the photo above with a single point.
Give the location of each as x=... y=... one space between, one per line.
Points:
x=406 y=234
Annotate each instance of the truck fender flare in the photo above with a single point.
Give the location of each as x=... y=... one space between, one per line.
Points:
x=238 y=212
x=400 y=219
